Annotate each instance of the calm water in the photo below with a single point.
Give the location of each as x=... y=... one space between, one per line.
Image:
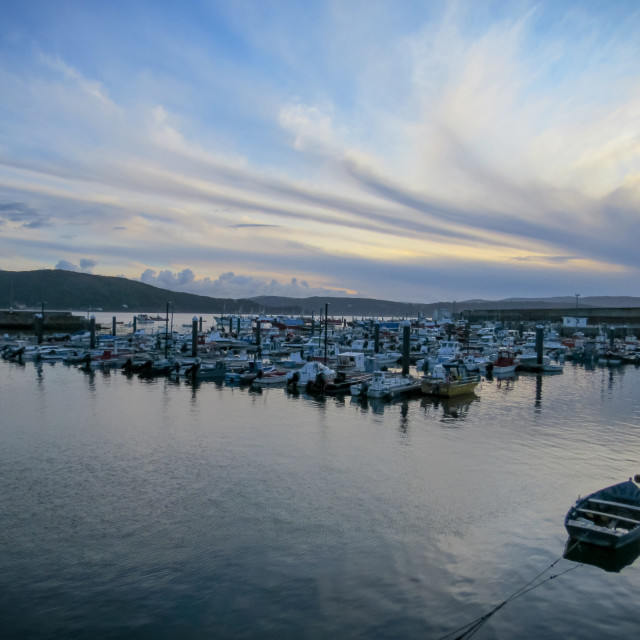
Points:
x=153 y=509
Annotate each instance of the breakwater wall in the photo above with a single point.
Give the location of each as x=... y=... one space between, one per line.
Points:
x=54 y=321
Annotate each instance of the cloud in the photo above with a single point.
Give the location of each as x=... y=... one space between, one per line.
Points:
x=86 y=265
x=480 y=138
x=22 y=215
x=232 y=285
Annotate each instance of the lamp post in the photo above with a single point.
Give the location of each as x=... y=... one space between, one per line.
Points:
x=577 y=295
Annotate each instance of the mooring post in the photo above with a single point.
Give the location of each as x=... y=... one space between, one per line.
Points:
x=376 y=338
x=38 y=321
x=166 y=332
x=194 y=337
x=135 y=323
x=326 y=330
x=92 y=332
x=539 y=343
x=406 y=345
x=113 y=326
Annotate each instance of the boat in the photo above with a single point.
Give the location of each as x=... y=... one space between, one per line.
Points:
x=529 y=362
x=311 y=373
x=450 y=379
x=343 y=382
x=198 y=370
x=609 y=517
x=385 y=385
x=505 y=362
x=271 y=376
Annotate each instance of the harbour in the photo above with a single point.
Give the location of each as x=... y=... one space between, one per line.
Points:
x=152 y=507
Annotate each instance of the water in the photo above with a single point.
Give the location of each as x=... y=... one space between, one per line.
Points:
x=154 y=509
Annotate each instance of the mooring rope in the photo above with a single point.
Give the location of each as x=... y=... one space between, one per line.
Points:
x=469 y=629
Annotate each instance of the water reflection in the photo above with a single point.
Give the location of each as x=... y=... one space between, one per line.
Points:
x=612 y=560
x=448 y=410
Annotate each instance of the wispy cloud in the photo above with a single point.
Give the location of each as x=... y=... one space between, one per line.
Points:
x=496 y=142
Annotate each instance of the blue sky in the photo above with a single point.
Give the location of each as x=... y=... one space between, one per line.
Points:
x=413 y=151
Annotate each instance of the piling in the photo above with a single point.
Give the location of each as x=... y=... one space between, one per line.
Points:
x=166 y=332
x=376 y=338
x=38 y=322
x=200 y=323
x=92 y=332
x=539 y=343
x=406 y=346
x=259 y=336
x=326 y=330
x=194 y=337
x=135 y=323
x=113 y=326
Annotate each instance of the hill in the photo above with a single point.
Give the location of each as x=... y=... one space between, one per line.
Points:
x=69 y=290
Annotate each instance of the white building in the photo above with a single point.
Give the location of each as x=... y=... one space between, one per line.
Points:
x=570 y=321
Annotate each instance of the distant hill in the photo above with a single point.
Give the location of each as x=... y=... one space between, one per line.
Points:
x=69 y=290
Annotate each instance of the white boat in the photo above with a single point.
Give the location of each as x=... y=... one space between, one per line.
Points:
x=385 y=385
x=529 y=362
x=310 y=372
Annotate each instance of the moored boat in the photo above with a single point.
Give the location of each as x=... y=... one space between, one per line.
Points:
x=529 y=362
x=609 y=517
x=385 y=385
x=505 y=362
x=455 y=380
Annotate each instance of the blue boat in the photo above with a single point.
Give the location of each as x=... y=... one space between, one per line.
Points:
x=609 y=517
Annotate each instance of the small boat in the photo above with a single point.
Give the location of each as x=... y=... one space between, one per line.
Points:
x=198 y=370
x=385 y=385
x=609 y=517
x=450 y=379
x=343 y=382
x=272 y=375
x=313 y=372
x=505 y=362
x=529 y=362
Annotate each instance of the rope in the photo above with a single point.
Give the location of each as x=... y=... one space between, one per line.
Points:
x=469 y=629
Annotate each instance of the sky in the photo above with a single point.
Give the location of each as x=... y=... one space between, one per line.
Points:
x=416 y=151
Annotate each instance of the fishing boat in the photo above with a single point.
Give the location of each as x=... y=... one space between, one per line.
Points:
x=505 y=362
x=385 y=385
x=450 y=379
x=609 y=517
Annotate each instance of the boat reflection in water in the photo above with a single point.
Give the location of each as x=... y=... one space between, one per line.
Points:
x=449 y=409
x=612 y=560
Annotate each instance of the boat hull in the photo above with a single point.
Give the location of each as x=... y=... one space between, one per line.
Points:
x=448 y=389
